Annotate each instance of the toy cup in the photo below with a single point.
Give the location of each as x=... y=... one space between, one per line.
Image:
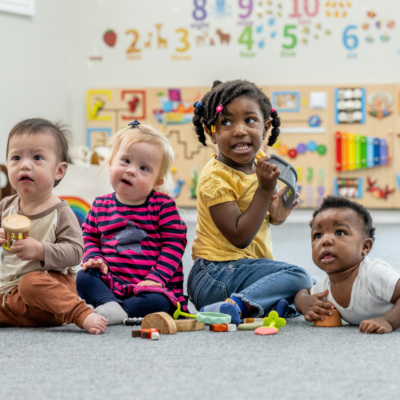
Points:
x=15 y=227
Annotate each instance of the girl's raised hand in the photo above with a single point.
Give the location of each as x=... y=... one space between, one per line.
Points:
x=95 y=264
x=267 y=174
x=278 y=212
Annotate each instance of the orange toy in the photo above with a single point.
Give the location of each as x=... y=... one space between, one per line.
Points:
x=15 y=227
x=330 y=321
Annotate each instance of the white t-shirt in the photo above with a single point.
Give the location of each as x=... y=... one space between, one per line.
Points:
x=371 y=292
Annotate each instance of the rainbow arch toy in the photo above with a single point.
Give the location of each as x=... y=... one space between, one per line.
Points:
x=79 y=206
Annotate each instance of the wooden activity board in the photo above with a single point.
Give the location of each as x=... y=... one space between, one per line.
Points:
x=342 y=139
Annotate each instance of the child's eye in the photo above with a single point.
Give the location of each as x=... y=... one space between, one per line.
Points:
x=250 y=120
x=226 y=122
x=37 y=157
x=316 y=236
x=340 y=232
x=15 y=158
x=126 y=161
x=144 y=168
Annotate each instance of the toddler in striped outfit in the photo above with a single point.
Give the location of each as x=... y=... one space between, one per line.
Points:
x=134 y=237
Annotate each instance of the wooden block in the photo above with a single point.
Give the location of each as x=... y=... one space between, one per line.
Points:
x=153 y=334
x=219 y=327
x=330 y=321
x=161 y=321
x=223 y=327
x=185 y=325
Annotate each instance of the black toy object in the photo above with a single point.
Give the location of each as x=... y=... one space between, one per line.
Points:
x=288 y=176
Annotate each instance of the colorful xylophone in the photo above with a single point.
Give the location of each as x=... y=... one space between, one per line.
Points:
x=357 y=151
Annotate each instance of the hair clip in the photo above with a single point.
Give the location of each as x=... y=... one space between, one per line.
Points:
x=212 y=129
x=198 y=105
x=219 y=109
x=272 y=110
x=134 y=123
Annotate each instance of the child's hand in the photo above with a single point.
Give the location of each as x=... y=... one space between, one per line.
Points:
x=278 y=212
x=2 y=236
x=375 y=325
x=314 y=308
x=267 y=174
x=148 y=282
x=28 y=249
x=95 y=264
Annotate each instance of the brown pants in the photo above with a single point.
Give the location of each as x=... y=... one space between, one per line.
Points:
x=43 y=299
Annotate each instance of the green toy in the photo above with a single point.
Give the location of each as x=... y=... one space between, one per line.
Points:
x=274 y=321
x=206 y=317
x=269 y=326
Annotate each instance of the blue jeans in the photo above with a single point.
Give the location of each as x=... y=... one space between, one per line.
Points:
x=258 y=282
x=91 y=288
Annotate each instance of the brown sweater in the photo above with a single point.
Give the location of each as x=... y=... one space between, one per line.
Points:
x=59 y=231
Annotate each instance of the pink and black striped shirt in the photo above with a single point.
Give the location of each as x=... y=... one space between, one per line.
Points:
x=137 y=243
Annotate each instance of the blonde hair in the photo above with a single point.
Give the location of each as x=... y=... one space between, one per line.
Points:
x=146 y=133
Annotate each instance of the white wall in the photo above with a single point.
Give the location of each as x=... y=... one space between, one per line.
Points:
x=35 y=69
x=46 y=60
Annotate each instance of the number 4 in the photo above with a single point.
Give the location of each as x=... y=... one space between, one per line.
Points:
x=247 y=37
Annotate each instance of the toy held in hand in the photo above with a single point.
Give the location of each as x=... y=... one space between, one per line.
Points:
x=15 y=227
x=288 y=176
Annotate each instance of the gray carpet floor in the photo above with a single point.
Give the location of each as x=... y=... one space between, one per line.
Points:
x=300 y=362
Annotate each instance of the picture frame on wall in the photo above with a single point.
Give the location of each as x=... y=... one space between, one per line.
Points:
x=22 y=7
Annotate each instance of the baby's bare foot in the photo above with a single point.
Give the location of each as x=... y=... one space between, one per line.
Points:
x=94 y=324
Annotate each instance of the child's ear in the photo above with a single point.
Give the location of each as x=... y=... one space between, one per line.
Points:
x=367 y=246
x=61 y=170
x=210 y=134
x=158 y=183
x=266 y=128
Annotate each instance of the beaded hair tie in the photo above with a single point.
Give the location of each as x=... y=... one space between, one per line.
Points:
x=198 y=105
x=134 y=124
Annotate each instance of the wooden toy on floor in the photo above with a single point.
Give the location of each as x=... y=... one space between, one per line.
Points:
x=330 y=321
x=153 y=334
x=223 y=327
x=15 y=227
x=168 y=326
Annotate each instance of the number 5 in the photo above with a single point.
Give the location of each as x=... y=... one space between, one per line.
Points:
x=292 y=36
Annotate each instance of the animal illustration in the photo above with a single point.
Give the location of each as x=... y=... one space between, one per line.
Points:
x=376 y=191
x=223 y=37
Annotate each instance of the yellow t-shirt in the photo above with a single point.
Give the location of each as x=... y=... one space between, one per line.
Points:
x=218 y=184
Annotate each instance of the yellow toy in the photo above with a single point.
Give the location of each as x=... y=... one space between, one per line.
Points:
x=15 y=227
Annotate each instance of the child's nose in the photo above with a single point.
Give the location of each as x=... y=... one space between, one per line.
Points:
x=25 y=163
x=327 y=238
x=131 y=170
x=239 y=129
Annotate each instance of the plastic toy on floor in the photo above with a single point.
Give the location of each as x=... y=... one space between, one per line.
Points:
x=206 y=317
x=15 y=227
x=268 y=326
x=272 y=324
x=330 y=321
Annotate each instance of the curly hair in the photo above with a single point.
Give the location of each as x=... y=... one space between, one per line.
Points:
x=343 y=202
x=223 y=93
